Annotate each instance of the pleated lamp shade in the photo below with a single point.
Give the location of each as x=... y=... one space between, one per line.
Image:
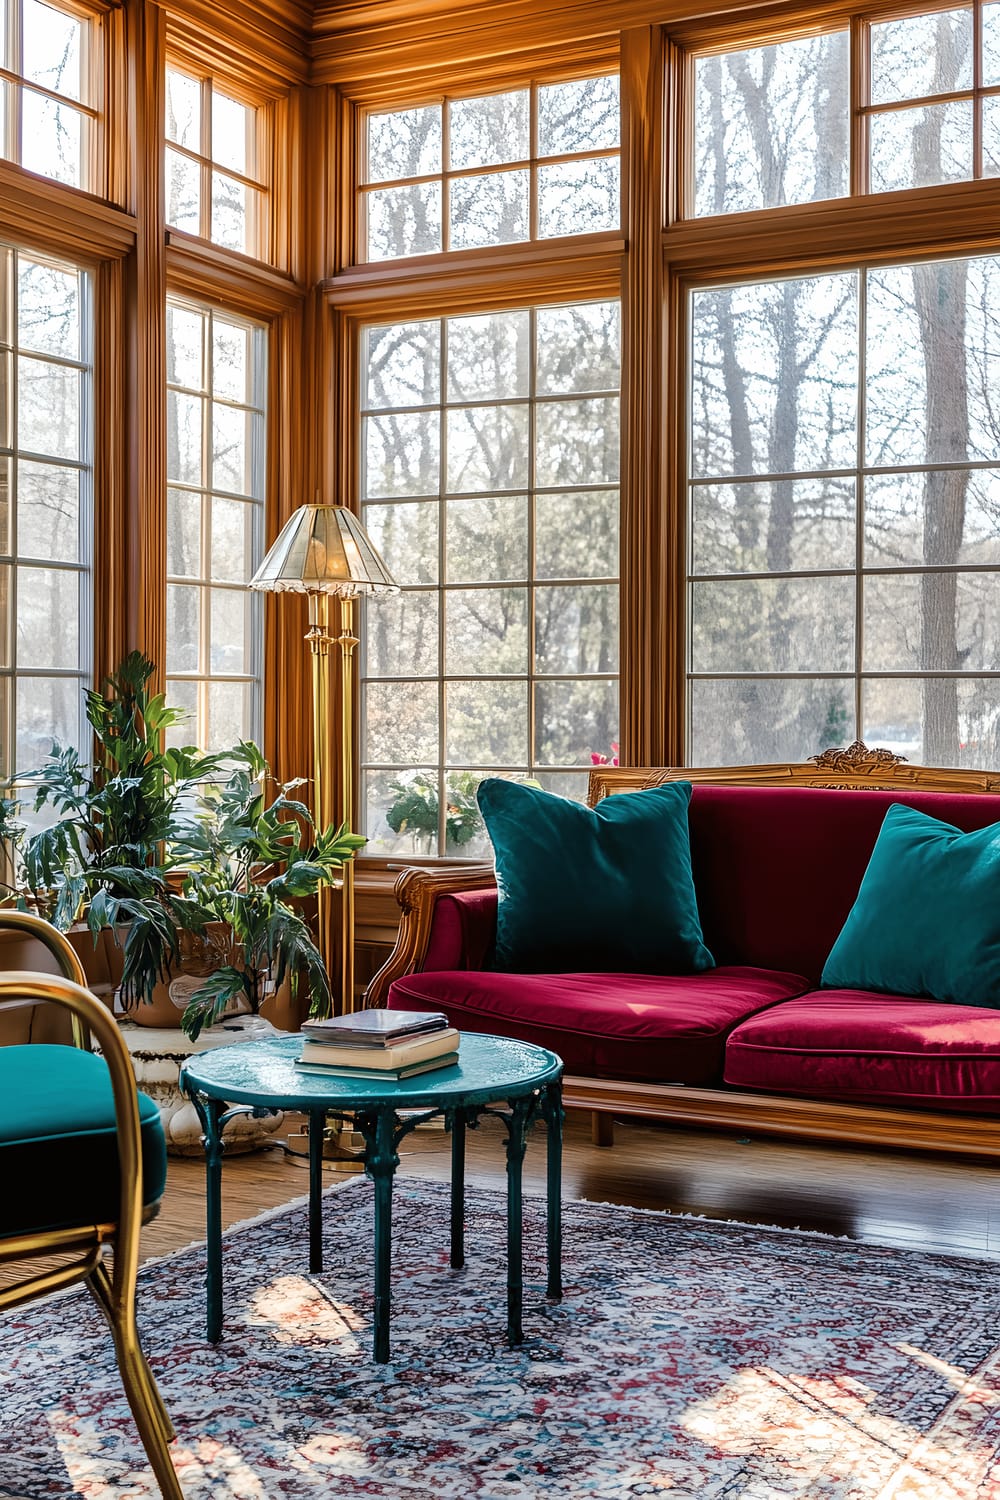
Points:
x=324 y=549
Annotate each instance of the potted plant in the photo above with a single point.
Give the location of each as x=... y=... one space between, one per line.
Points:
x=108 y=857
x=251 y=859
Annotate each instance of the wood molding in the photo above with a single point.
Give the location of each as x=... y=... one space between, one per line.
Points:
x=233 y=281
x=262 y=45
x=587 y=266
x=954 y=218
x=146 y=539
x=417 y=892
x=646 y=550
x=857 y=767
x=50 y=216
x=111 y=492
x=809 y=1119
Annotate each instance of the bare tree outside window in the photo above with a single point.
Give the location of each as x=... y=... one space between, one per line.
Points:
x=845 y=454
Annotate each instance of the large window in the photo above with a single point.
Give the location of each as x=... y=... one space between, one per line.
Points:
x=216 y=382
x=499 y=169
x=46 y=510
x=47 y=108
x=772 y=122
x=845 y=514
x=490 y=485
x=216 y=182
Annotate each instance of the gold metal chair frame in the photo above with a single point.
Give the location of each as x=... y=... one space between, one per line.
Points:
x=115 y=1290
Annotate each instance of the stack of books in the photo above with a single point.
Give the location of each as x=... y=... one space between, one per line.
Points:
x=386 y=1044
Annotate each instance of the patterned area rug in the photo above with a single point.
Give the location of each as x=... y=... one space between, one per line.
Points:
x=689 y=1358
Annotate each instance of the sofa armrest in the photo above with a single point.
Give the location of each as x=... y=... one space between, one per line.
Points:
x=448 y=916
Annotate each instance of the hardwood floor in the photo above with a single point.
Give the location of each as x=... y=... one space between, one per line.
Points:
x=927 y=1202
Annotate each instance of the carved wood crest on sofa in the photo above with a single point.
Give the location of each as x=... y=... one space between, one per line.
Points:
x=448 y=916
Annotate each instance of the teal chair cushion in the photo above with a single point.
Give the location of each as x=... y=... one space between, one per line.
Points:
x=58 y=1141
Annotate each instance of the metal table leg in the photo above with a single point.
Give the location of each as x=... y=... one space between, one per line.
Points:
x=552 y=1113
x=379 y=1128
x=517 y=1140
x=457 y=1189
x=317 y=1126
x=210 y=1112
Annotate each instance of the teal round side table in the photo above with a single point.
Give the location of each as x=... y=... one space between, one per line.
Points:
x=513 y=1081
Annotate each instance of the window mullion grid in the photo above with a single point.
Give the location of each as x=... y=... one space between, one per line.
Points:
x=205 y=165
x=977 y=85
x=860 y=96
x=442 y=690
x=445 y=183
x=15 y=130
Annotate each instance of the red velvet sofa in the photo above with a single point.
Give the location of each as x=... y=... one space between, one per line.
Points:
x=755 y=1041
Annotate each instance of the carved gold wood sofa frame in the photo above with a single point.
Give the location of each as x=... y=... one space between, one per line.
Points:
x=857 y=768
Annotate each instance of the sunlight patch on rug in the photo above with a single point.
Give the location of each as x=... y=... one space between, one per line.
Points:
x=688 y=1359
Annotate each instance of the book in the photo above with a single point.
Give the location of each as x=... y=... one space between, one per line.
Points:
x=383 y=1059
x=388 y=1075
x=373 y=1028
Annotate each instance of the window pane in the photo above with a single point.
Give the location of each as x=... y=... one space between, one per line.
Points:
x=52 y=139
x=404 y=221
x=487 y=723
x=183 y=534
x=229 y=625
x=404 y=143
x=771 y=125
x=230 y=714
x=183 y=110
x=230 y=213
x=183 y=193
x=402 y=636
x=232 y=428
x=402 y=812
x=930 y=389
x=184 y=419
x=488 y=448
x=486 y=631
x=401 y=454
x=801 y=524
x=577 y=442
x=232 y=365
x=921 y=55
x=576 y=629
x=574 y=720
x=48 y=408
x=576 y=535
x=913 y=148
x=487 y=539
x=489 y=210
x=233 y=134
x=903 y=513
x=52 y=42
x=406 y=536
x=935 y=721
x=932 y=622
x=183 y=627
x=991 y=43
x=579 y=197
x=579 y=348
x=753 y=345
x=583 y=115
x=489 y=356
x=402 y=365
x=780 y=625
x=185 y=346
x=743 y=721
x=484 y=132
x=48 y=710
x=401 y=723
x=48 y=618
x=48 y=308
x=991 y=136
x=233 y=538
x=48 y=512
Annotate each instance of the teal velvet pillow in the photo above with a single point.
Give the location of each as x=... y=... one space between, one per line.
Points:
x=591 y=890
x=927 y=916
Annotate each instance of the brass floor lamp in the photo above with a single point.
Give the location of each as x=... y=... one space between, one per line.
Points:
x=323 y=551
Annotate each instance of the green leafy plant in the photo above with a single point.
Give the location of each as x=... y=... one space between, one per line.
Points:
x=415 y=809
x=251 y=859
x=108 y=856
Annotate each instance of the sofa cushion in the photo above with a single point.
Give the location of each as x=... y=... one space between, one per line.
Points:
x=593 y=888
x=662 y=1028
x=927 y=919
x=58 y=1142
x=777 y=869
x=867 y=1048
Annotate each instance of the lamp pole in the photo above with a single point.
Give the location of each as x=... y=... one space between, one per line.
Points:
x=347 y=641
